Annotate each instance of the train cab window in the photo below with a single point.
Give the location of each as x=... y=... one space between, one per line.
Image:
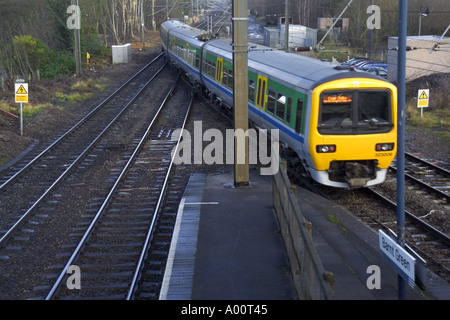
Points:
x=372 y=108
x=251 y=90
x=271 y=101
x=281 y=103
x=355 y=112
x=298 y=120
x=336 y=110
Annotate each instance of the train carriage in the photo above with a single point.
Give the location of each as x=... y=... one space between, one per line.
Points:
x=340 y=123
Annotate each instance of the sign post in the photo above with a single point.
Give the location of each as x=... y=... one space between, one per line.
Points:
x=398 y=257
x=409 y=265
x=21 y=92
x=401 y=121
x=423 y=99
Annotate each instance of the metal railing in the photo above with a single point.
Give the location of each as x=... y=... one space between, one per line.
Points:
x=310 y=280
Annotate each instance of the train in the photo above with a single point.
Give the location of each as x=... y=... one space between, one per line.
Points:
x=340 y=124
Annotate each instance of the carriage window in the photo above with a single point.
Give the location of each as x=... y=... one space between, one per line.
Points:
x=281 y=102
x=210 y=68
x=197 y=61
x=225 y=77
x=271 y=101
x=298 y=121
x=251 y=91
x=288 y=110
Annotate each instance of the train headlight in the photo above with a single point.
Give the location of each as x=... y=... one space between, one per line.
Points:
x=329 y=148
x=384 y=147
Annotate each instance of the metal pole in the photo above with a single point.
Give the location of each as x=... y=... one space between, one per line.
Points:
x=143 y=24
x=21 y=119
x=420 y=21
x=240 y=93
x=77 y=42
x=286 y=25
x=370 y=36
x=403 y=16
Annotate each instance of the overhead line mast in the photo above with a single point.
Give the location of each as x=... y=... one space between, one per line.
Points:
x=240 y=92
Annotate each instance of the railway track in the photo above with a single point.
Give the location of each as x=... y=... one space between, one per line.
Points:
x=47 y=211
x=130 y=225
x=19 y=188
x=427 y=205
x=428 y=176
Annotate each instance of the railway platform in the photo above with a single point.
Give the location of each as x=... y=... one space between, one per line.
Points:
x=226 y=246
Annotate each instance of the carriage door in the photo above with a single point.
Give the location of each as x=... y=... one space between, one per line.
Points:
x=261 y=92
x=219 y=70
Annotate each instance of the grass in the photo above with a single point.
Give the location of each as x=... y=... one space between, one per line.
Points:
x=81 y=91
x=436 y=121
x=28 y=109
x=90 y=84
x=73 y=97
x=84 y=89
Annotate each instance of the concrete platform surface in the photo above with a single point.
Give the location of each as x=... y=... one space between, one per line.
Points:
x=227 y=246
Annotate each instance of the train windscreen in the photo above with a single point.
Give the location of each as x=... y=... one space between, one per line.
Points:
x=355 y=112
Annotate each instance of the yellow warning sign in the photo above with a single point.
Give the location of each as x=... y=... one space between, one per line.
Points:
x=423 y=95
x=21 y=90
x=423 y=103
x=23 y=98
x=423 y=98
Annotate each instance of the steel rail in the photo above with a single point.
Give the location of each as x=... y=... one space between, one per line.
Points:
x=425 y=185
x=441 y=170
x=105 y=203
x=78 y=124
x=432 y=230
x=152 y=226
x=25 y=216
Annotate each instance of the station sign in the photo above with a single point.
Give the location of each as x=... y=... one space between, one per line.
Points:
x=21 y=90
x=403 y=262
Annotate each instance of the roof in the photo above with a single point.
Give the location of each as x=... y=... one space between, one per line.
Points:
x=301 y=71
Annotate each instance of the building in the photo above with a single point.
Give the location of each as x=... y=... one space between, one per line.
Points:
x=420 y=59
x=326 y=23
x=299 y=36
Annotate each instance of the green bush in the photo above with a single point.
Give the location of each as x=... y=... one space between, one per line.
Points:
x=57 y=63
x=26 y=55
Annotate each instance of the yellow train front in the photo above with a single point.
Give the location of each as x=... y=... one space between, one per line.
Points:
x=352 y=132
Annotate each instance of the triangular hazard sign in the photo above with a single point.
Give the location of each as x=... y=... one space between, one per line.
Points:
x=423 y=95
x=21 y=90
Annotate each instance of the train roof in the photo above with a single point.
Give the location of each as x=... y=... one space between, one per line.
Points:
x=186 y=32
x=301 y=71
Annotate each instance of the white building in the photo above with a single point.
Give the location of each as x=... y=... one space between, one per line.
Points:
x=299 y=36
